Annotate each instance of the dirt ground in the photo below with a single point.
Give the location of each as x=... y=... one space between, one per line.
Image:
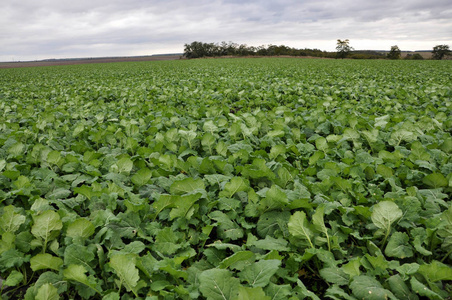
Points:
x=60 y=62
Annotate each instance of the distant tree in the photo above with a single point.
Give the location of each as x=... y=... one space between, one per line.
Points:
x=343 y=48
x=394 y=53
x=440 y=51
x=415 y=56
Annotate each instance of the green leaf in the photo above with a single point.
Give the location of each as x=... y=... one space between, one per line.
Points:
x=124 y=165
x=10 y=221
x=237 y=184
x=227 y=228
x=400 y=135
x=275 y=197
x=46 y=225
x=167 y=242
x=305 y=292
x=47 y=292
x=125 y=267
x=270 y=243
x=186 y=185
x=218 y=284
x=435 y=180
x=335 y=292
x=436 y=271
x=164 y=201
x=80 y=228
x=398 y=246
x=278 y=292
x=365 y=287
x=45 y=261
x=422 y=290
x=352 y=268
x=335 y=275
x=77 y=273
x=14 y=278
x=299 y=227
x=79 y=255
x=183 y=205
x=141 y=177
x=246 y=293
x=400 y=289
x=259 y=274
x=53 y=157
x=384 y=171
x=319 y=223
x=321 y=144
x=385 y=213
x=234 y=259
x=407 y=269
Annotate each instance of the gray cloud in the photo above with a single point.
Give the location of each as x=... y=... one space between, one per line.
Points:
x=49 y=28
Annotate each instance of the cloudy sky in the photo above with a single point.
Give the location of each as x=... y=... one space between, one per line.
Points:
x=32 y=30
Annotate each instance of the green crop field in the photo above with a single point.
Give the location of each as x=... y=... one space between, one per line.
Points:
x=269 y=178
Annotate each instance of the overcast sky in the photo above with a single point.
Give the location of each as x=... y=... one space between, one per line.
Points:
x=40 y=29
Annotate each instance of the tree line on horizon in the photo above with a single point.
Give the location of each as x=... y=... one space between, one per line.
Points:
x=344 y=50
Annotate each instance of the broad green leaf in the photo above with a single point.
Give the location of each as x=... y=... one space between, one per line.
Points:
x=47 y=292
x=218 y=284
x=235 y=258
x=321 y=144
x=436 y=271
x=246 y=293
x=167 y=241
x=273 y=222
x=124 y=165
x=54 y=157
x=141 y=177
x=10 y=221
x=14 y=278
x=2 y=164
x=275 y=197
x=164 y=201
x=384 y=171
x=80 y=228
x=422 y=290
x=335 y=275
x=183 y=206
x=259 y=274
x=435 y=180
x=385 y=213
x=46 y=225
x=336 y=293
x=407 y=269
x=400 y=289
x=400 y=135
x=352 y=268
x=45 y=261
x=186 y=185
x=277 y=150
x=77 y=273
x=398 y=246
x=366 y=287
x=270 y=243
x=78 y=255
x=237 y=184
x=305 y=292
x=227 y=228
x=319 y=223
x=299 y=227
x=125 y=268
x=278 y=292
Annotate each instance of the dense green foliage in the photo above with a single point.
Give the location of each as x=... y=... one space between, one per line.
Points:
x=200 y=49
x=227 y=179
